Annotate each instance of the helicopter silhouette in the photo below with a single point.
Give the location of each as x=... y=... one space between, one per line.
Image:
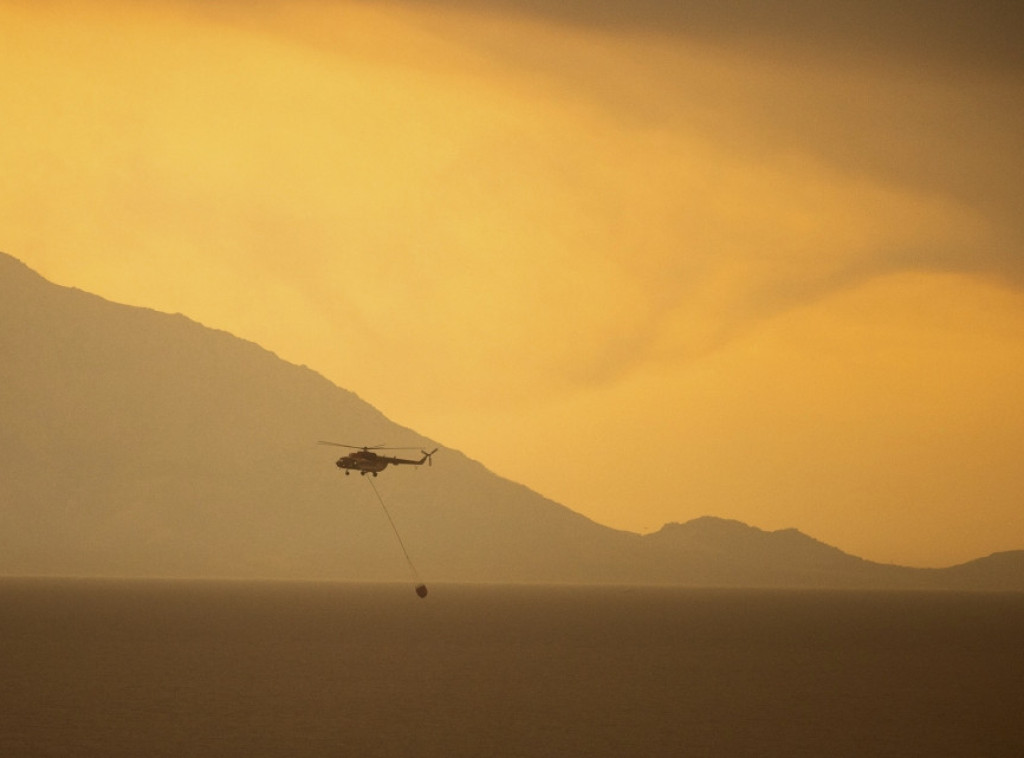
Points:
x=366 y=461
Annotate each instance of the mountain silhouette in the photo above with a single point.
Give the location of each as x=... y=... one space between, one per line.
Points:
x=139 y=443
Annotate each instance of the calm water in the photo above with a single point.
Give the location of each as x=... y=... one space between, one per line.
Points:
x=93 y=668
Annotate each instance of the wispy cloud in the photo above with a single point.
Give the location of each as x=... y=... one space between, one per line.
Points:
x=474 y=212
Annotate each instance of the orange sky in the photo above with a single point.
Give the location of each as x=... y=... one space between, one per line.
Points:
x=654 y=266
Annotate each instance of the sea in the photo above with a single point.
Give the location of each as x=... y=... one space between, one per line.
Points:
x=229 y=668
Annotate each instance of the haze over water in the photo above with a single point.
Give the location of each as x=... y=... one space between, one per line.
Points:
x=654 y=260
x=104 y=668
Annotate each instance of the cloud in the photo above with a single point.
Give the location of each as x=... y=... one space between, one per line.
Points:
x=738 y=247
x=952 y=34
x=456 y=192
x=883 y=419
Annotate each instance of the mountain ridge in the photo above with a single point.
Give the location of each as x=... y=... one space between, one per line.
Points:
x=137 y=442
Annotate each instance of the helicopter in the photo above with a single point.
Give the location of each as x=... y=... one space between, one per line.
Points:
x=366 y=461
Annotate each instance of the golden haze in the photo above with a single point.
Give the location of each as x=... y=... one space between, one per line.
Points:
x=652 y=277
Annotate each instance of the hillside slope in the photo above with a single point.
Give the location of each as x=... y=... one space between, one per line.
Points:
x=138 y=443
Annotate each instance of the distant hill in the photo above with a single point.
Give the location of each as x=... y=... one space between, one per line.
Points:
x=138 y=443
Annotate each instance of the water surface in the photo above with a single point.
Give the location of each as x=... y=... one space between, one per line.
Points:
x=132 y=668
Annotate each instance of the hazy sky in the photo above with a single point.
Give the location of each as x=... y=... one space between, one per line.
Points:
x=759 y=260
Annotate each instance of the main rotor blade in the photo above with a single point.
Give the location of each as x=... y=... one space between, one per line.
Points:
x=364 y=447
